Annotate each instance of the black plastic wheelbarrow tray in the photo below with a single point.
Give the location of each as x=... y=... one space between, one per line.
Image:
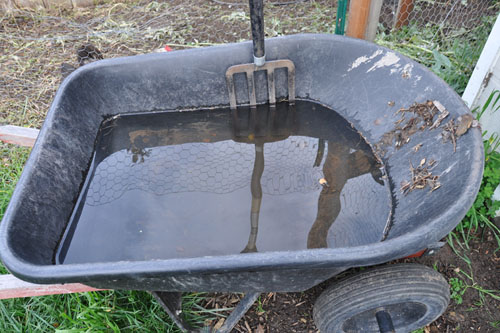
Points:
x=360 y=80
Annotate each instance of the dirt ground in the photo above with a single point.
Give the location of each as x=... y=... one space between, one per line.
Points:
x=478 y=312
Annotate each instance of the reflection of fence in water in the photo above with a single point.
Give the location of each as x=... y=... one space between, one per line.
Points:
x=219 y=167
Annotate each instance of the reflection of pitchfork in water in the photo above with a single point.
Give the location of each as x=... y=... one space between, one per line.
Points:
x=269 y=134
x=258 y=126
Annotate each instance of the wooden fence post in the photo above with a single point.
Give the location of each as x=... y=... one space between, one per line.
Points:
x=358 y=18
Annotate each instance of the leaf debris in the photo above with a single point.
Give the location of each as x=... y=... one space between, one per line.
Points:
x=421 y=177
x=416 y=148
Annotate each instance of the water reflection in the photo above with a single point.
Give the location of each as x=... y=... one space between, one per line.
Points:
x=260 y=126
x=187 y=184
x=341 y=164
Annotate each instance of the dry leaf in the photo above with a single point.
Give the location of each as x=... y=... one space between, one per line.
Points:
x=260 y=329
x=439 y=106
x=219 y=324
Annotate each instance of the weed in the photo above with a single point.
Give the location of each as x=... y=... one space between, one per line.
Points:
x=435 y=266
x=260 y=308
x=457 y=288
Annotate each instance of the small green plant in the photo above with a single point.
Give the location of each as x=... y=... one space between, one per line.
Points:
x=260 y=308
x=457 y=288
x=435 y=266
x=469 y=277
x=495 y=324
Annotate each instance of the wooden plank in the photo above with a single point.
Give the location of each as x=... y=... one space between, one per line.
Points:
x=358 y=18
x=12 y=287
x=16 y=135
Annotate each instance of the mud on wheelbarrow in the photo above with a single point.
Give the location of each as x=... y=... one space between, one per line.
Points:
x=365 y=83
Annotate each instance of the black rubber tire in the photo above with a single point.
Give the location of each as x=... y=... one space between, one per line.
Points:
x=414 y=295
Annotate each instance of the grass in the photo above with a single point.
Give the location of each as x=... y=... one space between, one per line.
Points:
x=12 y=159
x=104 y=311
x=34 y=44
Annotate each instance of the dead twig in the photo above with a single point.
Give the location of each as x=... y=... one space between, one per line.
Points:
x=449 y=133
x=443 y=113
x=421 y=177
x=416 y=148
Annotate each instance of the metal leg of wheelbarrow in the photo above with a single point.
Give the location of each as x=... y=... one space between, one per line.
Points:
x=172 y=301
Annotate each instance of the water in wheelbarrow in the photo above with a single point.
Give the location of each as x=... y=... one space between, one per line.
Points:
x=212 y=182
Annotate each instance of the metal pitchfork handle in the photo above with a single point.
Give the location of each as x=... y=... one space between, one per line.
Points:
x=257 y=24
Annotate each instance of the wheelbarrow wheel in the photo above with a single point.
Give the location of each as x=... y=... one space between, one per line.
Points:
x=412 y=295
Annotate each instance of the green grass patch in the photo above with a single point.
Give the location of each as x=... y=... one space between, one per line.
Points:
x=105 y=311
x=12 y=159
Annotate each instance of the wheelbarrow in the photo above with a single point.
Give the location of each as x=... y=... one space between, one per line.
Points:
x=364 y=83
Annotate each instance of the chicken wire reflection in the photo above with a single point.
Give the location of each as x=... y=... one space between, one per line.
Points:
x=219 y=167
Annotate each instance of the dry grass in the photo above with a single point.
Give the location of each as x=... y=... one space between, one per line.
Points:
x=34 y=44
